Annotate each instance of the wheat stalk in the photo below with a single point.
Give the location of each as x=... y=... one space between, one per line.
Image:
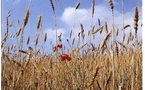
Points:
x=26 y=17
x=117 y=31
x=128 y=40
x=70 y=33
x=117 y=50
x=73 y=41
x=27 y=60
x=131 y=36
x=136 y=16
x=133 y=75
x=99 y=23
x=4 y=40
x=97 y=30
x=106 y=27
x=94 y=75
x=18 y=33
x=7 y=29
x=77 y=5
x=39 y=21
x=17 y=63
x=107 y=81
x=113 y=41
x=28 y=40
x=23 y=51
x=122 y=44
x=93 y=47
x=52 y=6
x=82 y=29
x=111 y=4
x=36 y=41
x=123 y=37
x=25 y=21
x=45 y=37
x=79 y=47
x=104 y=40
x=126 y=26
x=93 y=7
x=101 y=31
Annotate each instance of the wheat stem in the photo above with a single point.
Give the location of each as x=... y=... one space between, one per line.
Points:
x=113 y=41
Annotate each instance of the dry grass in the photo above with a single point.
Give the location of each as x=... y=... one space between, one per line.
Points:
x=91 y=66
x=35 y=73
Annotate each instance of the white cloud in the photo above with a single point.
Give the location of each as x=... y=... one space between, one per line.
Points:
x=83 y=16
x=102 y=12
x=80 y=16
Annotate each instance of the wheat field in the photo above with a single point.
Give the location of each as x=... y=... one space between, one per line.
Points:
x=112 y=64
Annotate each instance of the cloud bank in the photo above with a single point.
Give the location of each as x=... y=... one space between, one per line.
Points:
x=72 y=20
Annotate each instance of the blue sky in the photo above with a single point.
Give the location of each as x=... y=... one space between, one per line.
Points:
x=64 y=16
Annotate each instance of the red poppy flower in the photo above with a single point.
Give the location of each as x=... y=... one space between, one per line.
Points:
x=65 y=57
x=58 y=46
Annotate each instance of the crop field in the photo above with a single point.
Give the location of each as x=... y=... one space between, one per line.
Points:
x=115 y=63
